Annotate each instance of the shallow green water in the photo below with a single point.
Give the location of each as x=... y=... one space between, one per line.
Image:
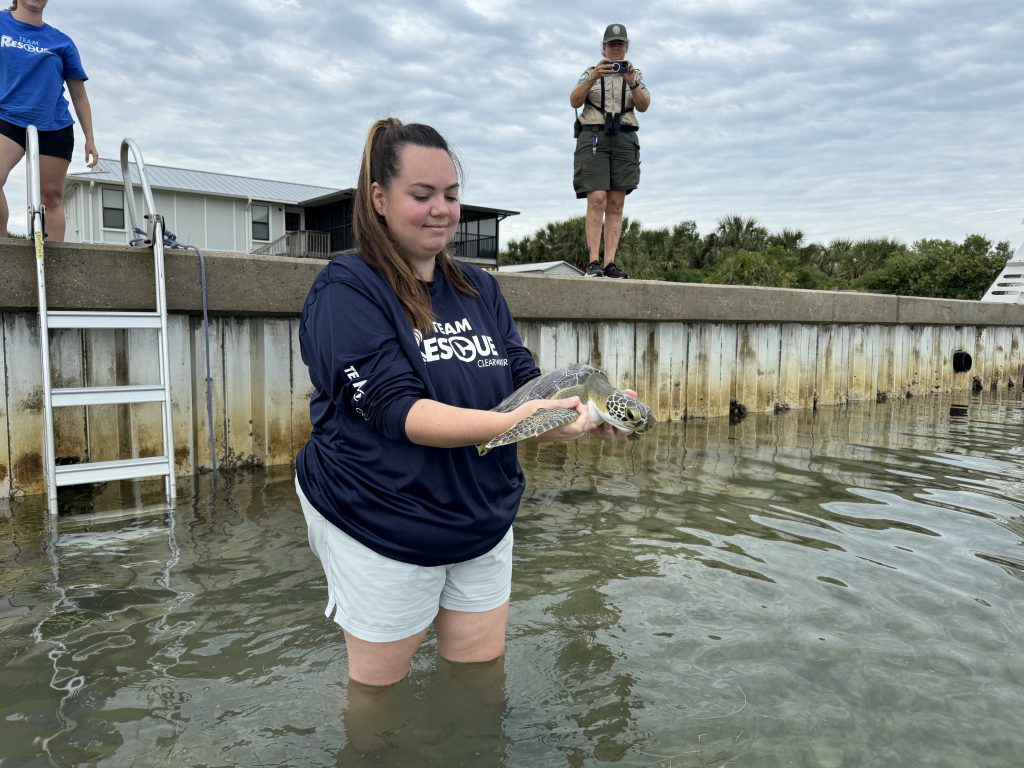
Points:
x=843 y=588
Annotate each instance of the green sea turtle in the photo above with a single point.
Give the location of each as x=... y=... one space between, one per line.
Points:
x=607 y=404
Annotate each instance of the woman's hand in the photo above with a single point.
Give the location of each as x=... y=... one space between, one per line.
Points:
x=609 y=433
x=569 y=431
x=606 y=432
x=80 y=101
x=603 y=68
x=91 y=155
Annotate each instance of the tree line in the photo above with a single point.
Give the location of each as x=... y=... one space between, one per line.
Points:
x=743 y=252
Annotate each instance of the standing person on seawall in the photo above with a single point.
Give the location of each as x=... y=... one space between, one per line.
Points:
x=407 y=350
x=36 y=60
x=606 y=166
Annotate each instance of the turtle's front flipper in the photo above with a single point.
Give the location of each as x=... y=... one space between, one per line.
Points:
x=538 y=423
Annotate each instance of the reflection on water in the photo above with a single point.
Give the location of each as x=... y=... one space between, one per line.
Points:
x=830 y=589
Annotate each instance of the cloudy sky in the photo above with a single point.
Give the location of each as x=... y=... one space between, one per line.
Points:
x=843 y=118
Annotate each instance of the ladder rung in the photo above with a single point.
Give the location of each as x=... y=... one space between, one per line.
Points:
x=105 y=471
x=136 y=393
x=73 y=319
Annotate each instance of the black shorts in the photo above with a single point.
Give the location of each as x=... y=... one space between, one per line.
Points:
x=59 y=143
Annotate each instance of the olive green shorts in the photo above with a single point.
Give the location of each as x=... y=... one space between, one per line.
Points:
x=614 y=166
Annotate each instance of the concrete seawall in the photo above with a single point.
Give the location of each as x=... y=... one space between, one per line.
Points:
x=690 y=350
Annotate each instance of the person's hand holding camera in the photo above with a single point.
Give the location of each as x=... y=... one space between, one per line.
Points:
x=607 y=68
x=630 y=75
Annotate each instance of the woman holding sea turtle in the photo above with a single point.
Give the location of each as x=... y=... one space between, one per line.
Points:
x=408 y=351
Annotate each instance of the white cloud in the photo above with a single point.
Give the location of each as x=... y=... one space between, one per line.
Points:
x=843 y=119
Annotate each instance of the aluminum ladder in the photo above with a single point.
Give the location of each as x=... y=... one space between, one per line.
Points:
x=1009 y=286
x=120 y=469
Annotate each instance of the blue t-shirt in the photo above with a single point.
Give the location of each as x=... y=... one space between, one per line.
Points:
x=34 y=63
x=413 y=503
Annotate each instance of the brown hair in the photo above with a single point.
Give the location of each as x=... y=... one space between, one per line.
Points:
x=14 y=5
x=376 y=245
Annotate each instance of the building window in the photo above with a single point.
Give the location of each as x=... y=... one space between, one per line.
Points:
x=292 y=221
x=260 y=221
x=113 y=208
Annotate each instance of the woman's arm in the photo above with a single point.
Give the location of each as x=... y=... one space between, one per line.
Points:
x=83 y=110
x=641 y=98
x=586 y=82
x=579 y=93
x=446 y=426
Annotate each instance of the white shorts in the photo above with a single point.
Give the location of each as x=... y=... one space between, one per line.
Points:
x=381 y=600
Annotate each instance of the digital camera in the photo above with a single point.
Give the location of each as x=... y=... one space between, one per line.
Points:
x=619 y=67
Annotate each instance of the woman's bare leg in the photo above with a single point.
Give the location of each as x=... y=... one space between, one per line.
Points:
x=380 y=664
x=52 y=173
x=471 y=637
x=11 y=153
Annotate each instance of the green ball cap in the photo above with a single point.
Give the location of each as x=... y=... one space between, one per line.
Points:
x=615 y=32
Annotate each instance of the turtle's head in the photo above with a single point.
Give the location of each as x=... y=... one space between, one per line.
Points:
x=628 y=413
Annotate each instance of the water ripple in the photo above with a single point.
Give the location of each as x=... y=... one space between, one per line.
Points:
x=843 y=587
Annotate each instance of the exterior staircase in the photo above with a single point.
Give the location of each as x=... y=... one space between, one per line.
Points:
x=1008 y=288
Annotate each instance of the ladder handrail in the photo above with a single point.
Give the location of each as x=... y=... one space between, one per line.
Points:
x=35 y=227
x=129 y=188
x=35 y=198
x=155 y=238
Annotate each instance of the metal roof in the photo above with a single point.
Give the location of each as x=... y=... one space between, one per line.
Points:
x=547 y=267
x=244 y=187
x=205 y=182
x=476 y=211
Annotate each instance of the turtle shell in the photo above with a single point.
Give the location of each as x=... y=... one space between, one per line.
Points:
x=554 y=385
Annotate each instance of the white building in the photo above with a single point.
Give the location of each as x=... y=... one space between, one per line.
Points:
x=213 y=211
x=241 y=214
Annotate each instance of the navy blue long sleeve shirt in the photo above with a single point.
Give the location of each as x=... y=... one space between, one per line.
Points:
x=413 y=503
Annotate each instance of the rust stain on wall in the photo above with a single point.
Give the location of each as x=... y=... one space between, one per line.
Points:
x=33 y=402
x=28 y=469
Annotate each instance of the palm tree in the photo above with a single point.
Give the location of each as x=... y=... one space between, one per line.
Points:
x=741 y=234
x=790 y=239
x=834 y=259
x=750 y=268
x=866 y=255
x=706 y=252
